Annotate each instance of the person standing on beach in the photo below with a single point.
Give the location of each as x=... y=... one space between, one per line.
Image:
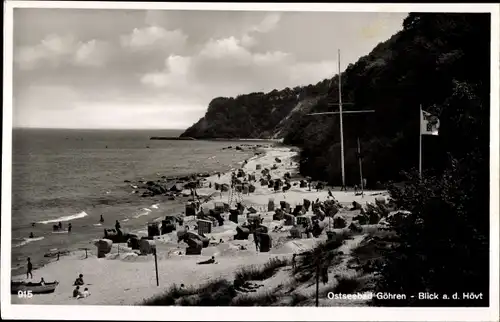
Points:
x=69 y=228
x=30 y=269
x=118 y=228
x=101 y=220
x=59 y=225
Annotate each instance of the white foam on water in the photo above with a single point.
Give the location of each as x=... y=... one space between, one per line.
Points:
x=27 y=241
x=155 y=206
x=146 y=211
x=60 y=232
x=97 y=224
x=65 y=218
x=126 y=219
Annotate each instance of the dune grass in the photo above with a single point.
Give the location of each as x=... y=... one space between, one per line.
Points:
x=221 y=292
x=216 y=293
x=265 y=299
x=256 y=273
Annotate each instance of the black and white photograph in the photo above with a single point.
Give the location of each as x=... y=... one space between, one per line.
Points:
x=266 y=156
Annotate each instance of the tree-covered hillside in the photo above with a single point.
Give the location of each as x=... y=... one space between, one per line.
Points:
x=438 y=60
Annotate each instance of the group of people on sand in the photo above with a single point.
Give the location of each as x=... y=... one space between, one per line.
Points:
x=77 y=293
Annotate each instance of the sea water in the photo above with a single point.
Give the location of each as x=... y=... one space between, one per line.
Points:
x=74 y=176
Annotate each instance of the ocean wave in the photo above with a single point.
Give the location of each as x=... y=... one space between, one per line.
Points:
x=65 y=218
x=155 y=206
x=146 y=211
x=27 y=241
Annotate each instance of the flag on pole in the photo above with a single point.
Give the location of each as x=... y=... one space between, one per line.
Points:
x=429 y=124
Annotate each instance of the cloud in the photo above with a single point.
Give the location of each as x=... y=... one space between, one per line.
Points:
x=267 y=24
x=56 y=50
x=229 y=67
x=92 y=53
x=174 y=74
x=154 y=37
x=161 y=68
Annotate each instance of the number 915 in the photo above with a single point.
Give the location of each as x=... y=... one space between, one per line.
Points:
x=25 y=294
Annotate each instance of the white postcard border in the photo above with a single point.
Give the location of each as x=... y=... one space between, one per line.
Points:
x=39 y=312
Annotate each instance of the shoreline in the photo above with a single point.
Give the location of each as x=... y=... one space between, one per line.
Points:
x=128 y=211
x=122 y=265
x=138 y=203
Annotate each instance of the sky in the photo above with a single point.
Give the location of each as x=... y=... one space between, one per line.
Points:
x=154 y=69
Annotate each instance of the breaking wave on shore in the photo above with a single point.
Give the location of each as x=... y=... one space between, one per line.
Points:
x=65 y=218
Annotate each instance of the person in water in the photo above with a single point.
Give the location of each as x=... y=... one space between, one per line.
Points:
x=30 y=269
x=101 y=220
x=42 y=281
x=69 y=227
x=31 y=235
x=60 y=225
x=79 y=280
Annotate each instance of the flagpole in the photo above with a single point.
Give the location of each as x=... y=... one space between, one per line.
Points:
x=360 y=169
x=341 y=129
x=420 y=143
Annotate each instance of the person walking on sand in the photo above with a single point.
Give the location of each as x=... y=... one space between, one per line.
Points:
x=69 y=228
x=29 y=272
x=117 y=227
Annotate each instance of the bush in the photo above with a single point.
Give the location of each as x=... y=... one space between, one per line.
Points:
x=216 y=293
x=347 y=285
x=325 y=254
x=255 y=273
x=443 y=244
x=265 y=299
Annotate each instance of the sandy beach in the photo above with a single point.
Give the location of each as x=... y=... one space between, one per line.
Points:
x=124 y=278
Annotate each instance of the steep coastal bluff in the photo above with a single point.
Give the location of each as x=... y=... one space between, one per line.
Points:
x=438 y=61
